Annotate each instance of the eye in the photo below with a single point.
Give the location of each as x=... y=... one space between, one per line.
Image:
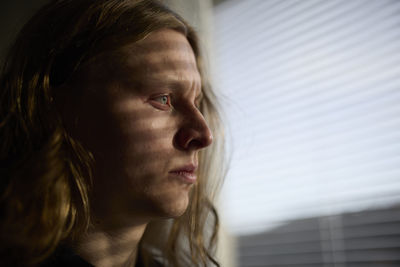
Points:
x=162 y=102
x=164 y=99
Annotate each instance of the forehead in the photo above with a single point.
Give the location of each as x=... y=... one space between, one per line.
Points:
x=164 y=55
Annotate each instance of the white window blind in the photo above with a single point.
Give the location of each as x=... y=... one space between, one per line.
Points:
x=314 y=114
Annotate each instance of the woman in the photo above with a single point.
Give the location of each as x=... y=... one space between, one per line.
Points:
x=109 y=137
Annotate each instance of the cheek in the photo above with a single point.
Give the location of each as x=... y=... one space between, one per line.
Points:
x=151 y=134
x=147 y=144
x=137 y=156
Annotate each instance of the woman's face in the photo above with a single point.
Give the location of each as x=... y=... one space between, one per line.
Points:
x=137 y=112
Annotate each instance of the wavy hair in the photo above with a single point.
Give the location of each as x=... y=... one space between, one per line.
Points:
x=46 y=175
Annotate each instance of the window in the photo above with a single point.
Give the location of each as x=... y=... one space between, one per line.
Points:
x=314 y=110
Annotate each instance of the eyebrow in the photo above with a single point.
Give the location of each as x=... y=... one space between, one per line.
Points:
x=183 y=85
x=173 y=83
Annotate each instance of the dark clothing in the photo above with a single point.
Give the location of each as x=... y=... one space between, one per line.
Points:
x=65 y=257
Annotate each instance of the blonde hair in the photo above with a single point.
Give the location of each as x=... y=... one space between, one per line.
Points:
x=45 y=174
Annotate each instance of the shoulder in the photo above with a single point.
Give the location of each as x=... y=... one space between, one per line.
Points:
x=152 y=262
x=64 y=257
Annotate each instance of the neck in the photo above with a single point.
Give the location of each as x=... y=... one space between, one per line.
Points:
x=116 y=247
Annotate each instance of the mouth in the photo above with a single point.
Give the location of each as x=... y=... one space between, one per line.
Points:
x=186 y=174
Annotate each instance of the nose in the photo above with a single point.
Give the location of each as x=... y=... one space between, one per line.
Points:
x=194 y=132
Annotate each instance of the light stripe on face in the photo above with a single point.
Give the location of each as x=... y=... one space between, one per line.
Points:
x=158 y=63
x=136 y=142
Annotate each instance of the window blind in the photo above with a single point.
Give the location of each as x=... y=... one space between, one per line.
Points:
x=314 y=114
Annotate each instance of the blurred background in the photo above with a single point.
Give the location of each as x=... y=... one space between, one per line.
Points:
x=311 y=93
x=314 y=94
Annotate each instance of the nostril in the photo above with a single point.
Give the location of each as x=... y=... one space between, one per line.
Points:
x=193 y=133
x=204 y=140
x=188 y=138
x=195 y=144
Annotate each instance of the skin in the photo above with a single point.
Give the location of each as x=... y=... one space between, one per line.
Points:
x=137 y=112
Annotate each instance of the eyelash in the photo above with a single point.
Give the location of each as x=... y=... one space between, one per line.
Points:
x=166 y=98
x=160 y=104
x=167 y=105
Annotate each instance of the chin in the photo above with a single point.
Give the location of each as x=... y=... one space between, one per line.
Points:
x=176 y=209
x=173 y=206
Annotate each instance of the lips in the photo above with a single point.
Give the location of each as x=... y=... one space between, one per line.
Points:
x=186 y=173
